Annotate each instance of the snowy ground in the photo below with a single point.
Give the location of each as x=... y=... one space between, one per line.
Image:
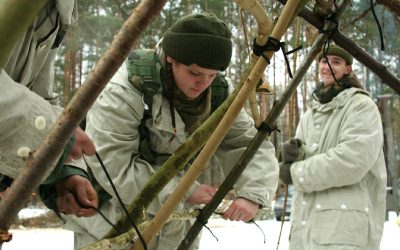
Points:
x=231 y=235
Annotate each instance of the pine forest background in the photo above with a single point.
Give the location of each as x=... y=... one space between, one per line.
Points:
x=99 y=21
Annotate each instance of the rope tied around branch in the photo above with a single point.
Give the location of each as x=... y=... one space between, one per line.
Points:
x=265 y=127
x=274 y=45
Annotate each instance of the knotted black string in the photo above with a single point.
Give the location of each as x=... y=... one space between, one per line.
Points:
x=264 y=126
x=274 y=45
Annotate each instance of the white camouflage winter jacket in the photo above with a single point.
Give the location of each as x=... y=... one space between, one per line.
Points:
x=113 y=123
x=340 y=186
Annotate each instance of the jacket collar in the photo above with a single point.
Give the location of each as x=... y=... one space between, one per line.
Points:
x=338 y=101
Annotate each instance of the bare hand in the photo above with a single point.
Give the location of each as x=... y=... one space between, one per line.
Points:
x=202 y=195
x=76 y=195
x=82 y=145
x=241 y=209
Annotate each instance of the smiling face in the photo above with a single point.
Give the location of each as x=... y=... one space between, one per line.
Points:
x=192 y=79
x=339 y=68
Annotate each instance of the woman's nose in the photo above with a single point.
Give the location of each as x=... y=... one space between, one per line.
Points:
x=202 y=80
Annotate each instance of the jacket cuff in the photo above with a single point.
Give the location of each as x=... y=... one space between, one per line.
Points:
x=48 y=192
x=58 y=171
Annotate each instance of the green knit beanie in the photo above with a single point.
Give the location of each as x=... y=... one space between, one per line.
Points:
x=202 y=39
x=337 y=51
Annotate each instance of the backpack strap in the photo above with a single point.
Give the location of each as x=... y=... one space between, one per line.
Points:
x=144 y=74
x=219 y=91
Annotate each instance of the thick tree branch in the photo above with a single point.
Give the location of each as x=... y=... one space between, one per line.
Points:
x=392 y=5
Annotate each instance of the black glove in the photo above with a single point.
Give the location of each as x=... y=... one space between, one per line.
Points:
x=292 y=150
x=284 y=173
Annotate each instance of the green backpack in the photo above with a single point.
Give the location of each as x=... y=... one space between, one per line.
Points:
x=144 y=74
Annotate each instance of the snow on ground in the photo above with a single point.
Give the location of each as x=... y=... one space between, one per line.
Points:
x=231 y=235
x=239 y=235
x=32 y=212
x=40 y=239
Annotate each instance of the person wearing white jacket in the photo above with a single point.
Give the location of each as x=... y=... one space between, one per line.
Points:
x=193 y=52
x=336 y=164
x=28 y=111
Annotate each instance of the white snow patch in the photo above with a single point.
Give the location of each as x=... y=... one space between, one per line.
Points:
x=32 y=212
x=231 y=235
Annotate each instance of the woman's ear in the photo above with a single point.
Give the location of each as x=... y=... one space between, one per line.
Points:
x=349 y=69
x=170 y=59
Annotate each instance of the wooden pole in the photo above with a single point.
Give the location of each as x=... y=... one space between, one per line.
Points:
x=255 y=8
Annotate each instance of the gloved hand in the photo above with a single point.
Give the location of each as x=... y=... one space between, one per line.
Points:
x=284 y=173
x=292 y=150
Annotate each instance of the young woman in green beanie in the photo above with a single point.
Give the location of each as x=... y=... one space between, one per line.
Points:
x=339 y=172
x=190 y=57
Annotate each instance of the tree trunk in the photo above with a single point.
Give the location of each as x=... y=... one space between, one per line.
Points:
x=67 y=79
x=390 y=154
x=73 y=70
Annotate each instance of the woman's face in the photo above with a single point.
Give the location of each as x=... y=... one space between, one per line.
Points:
x=339 y=68
x=192 y=80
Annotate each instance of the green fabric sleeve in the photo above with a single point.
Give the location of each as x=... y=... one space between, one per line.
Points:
x=48 y=191
x=57 y=173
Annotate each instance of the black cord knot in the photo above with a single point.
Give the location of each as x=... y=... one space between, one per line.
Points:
x=275 y=45
x=265 y=127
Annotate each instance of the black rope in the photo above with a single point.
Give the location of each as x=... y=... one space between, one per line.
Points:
x=107 y=220
x=203 y=222
x=378 y=24
x=209 y=229
x=121 y=203
x=274 y=45
x=250 y=221
x=264 y=126
x=262 y=231
x=325 y=51
x=332 y=18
